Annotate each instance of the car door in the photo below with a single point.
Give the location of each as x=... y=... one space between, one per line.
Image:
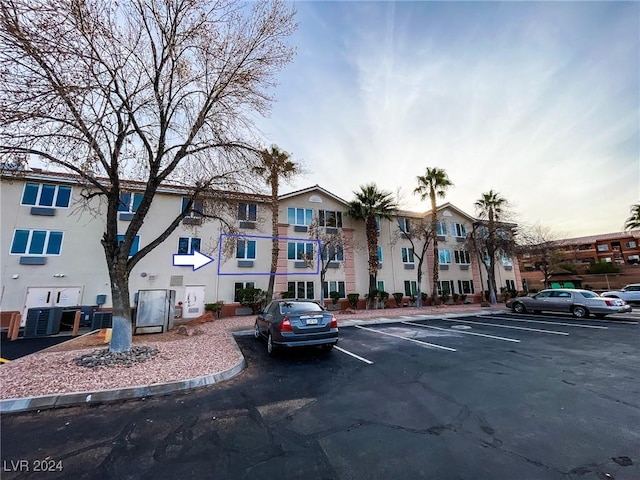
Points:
x=560 y=301
x=265 y=316
x=538 y=302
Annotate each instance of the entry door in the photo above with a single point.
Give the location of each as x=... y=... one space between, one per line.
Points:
x=193 y=305
x=50 y=297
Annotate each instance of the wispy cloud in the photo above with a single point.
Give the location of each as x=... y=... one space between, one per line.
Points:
x=540 y=101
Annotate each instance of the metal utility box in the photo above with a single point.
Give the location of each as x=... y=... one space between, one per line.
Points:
x=43 y=321
x=155 y=311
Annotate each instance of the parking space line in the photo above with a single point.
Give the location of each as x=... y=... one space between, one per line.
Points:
x=552 y=332
x=506 y=339
x=362 y=359
x=549 y=323
x=409 y=339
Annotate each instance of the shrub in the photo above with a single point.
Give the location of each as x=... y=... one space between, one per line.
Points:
x=353 y=299
x=288 y=294
x=254 y=298
x=335 y=297
x=603 y=267
x=397 y=296
x=382 y=298
x=215 y=307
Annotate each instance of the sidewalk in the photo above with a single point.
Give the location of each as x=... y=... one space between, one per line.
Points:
x=51 y=379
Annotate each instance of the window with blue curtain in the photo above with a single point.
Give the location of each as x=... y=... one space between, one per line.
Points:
x=36 y=242
x=407 y=255
x=46 y=195
x=380 y=255
x=444 y=256
x=246 y=249
x=126 y=205
x=134 y=246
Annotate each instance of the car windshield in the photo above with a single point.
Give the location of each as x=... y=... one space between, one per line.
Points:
x=589 y=294
x=299 y=307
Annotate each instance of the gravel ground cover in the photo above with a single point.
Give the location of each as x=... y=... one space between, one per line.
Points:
x=204 y=349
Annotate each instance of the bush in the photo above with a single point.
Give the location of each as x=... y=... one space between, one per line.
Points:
x=353 y=299
x=397 y=296
x=335 y=297
x=603 y=267
x=382 y=298
x=215 y=307
x=288 y=294
x=255 y=298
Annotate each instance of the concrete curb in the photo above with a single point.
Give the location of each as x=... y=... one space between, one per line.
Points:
x=17 y=405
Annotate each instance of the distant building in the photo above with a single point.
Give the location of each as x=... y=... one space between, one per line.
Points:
x=52 y=256
x=577 y=255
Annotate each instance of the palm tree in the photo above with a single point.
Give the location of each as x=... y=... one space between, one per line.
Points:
x=275 y=165
x=432 y=184
x=489 y=207
x=633 y=221
x=370 y=202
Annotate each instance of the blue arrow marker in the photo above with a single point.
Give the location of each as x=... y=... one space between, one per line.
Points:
x=195 y=260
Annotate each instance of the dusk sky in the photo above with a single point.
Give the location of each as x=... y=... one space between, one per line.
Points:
x=539 y=101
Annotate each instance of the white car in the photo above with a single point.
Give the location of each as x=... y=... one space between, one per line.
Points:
x=630 y=293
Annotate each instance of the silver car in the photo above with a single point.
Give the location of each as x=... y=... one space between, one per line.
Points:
x=580 y=303
x=630 y=293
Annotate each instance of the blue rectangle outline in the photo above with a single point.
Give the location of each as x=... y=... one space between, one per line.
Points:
x=267 y=237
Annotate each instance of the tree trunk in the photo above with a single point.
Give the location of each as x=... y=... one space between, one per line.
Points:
x=436 y=257
x=122 y=331
x=274 y=232
x=419 y=289
x=372 y=245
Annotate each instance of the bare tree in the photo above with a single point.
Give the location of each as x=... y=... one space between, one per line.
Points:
x=419 y=234
x=332 y=245
x=153 y=90
x=545 y=248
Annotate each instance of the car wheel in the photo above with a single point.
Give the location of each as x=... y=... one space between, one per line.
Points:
x=580 y=312
x=519 y=308
x=327 y=347
x=256 y=330
x=271 y=348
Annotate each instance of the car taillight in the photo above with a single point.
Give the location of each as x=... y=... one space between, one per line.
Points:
x=334 y=322
x=610 y=303
x=285 y=326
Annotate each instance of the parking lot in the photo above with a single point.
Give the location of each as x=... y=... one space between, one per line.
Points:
x=475 y=397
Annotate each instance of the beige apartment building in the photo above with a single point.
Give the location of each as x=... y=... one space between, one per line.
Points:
x=52 y=255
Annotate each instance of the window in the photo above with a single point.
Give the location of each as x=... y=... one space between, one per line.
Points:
x=303 y=290
x=333 y=253
x=603 y=248
x=46 y=195
x=465 y=286
x=380 y=286
x=461 y=257
x=241 y=286
x=633 y=258
x=458 y=230
x=404 y=225
x=445 y=286
x=328 y=218
x=407 y=255
x=299 y=216
x=187 y=245
x=410 y=288
x=246 y=249
x=631 y=244
x=328 y=287
x=378 y=224
x=511 y=285
x=197 y=208
x=36 y=242
x=507 y=261
x=134 y=246
x=300 y=250
x=379 y=255
x=130 y=202
x=441 y=229
x=444 y=256
x=247 y=212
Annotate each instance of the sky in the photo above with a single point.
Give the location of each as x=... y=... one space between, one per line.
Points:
x=539 y=101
